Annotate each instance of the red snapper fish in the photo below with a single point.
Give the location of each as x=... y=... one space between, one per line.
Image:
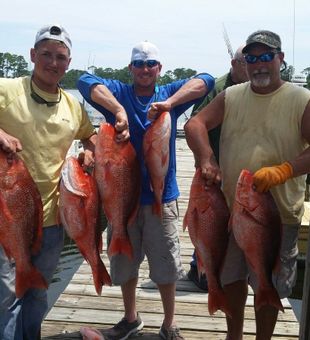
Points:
x=156 y=155
x=257 y=227
x=207 y=219
x=90 y=334
x=21 y=222
x=117 y=172
x=78 y=211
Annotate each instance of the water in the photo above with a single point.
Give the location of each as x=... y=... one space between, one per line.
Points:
x=96 y=117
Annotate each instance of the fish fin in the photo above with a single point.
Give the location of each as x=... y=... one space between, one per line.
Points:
x=217 y=301
x=157 y=209
x=185 y=221
x=120 y=246
x=37 y=234
x=101 y=277
x=268 y=296
x=6 y=211
x=30 y=279
x=164 y=159
x=133 y=214
x=100 y=244
x=90 y=334
x=200 y=266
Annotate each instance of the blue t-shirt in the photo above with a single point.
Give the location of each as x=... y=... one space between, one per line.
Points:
x=137 y=109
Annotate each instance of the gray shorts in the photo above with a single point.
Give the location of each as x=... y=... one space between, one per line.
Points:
x=235 y=267
x=158 y=240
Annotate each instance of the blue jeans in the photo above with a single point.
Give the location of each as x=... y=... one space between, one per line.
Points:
x=20 y=319
x=193 y=262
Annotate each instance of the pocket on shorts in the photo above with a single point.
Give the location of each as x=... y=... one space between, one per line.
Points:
x=171 y=210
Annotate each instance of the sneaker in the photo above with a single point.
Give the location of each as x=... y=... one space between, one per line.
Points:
x=173 y=333
x=200 y=281
x=124 y=329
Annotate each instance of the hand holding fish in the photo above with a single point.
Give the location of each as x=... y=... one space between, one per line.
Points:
x=9 y=144
x=267 y=177
x=211 y=172
x=121 y=126
x=157 y=108
x=87 y=160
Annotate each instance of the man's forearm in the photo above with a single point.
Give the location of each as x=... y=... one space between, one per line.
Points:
x=101 y=95
x=193 y=89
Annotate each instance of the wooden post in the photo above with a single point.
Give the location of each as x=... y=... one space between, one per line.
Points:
x=304 y=329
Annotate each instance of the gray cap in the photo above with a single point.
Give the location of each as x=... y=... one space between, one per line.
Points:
x=264 y=37
x=54 y=32
x=145 y=51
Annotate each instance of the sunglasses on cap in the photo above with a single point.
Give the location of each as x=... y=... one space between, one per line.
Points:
x=265 y=57
x=148 y=63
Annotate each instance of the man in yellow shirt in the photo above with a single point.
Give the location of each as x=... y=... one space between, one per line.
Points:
x=39 y=120
x=265 y=129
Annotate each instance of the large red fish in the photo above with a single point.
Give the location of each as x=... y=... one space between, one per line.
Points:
x=207 y=218
x=156 y=155
x=21 y=221
x=257 y=227
x=117 y=173
x=78 y=209
x=90 y=334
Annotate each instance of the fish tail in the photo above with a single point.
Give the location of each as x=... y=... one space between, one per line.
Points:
x=185 y=222
x=101 y=276
x=268 y=296
x=30 y=279
x=217 y=301
x=120 y=246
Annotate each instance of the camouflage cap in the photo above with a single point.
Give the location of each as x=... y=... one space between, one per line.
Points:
x=263 y=37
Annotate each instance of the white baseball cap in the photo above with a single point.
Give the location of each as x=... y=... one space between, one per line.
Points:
x=145 y=51
x=54 y=32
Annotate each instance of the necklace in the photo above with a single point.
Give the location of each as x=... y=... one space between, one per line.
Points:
x=151 y=100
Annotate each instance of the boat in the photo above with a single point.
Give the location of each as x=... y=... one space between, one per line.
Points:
x=299 y=80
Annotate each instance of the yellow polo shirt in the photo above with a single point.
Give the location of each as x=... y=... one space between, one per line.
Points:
x=264 y=130
x=46 y=134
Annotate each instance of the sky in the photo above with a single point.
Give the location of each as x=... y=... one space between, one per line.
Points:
x=188 y=33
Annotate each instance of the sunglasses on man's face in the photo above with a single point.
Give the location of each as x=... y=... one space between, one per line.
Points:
x=142 y=63
x=265 y=57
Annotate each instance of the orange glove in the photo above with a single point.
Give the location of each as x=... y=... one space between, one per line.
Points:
x=267 y=177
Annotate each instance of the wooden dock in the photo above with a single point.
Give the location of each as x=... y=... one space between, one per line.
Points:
x=80 y=306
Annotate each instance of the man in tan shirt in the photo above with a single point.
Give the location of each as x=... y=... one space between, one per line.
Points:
x=266 y=129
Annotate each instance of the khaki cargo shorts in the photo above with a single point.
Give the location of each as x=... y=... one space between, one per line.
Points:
x=235 y=266
x=157 y=240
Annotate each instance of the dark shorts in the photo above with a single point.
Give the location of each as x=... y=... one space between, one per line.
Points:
x=235 y=267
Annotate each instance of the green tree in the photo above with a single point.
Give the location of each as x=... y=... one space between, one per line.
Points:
x=13 y=65
x=167 y=78
x=183 y=73
x=122 y=75
x=70 y=78
x=287 y=73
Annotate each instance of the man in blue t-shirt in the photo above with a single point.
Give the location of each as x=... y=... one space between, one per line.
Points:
x=156 y=238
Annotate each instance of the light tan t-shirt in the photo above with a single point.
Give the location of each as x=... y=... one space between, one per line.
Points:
x=46 y=134
x=264 y=130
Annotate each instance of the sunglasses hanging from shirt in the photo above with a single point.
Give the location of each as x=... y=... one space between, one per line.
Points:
x=38 y=99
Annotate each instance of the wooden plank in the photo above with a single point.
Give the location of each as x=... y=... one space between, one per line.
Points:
x=64 y=331
x=108 y=302
x=201 y=323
